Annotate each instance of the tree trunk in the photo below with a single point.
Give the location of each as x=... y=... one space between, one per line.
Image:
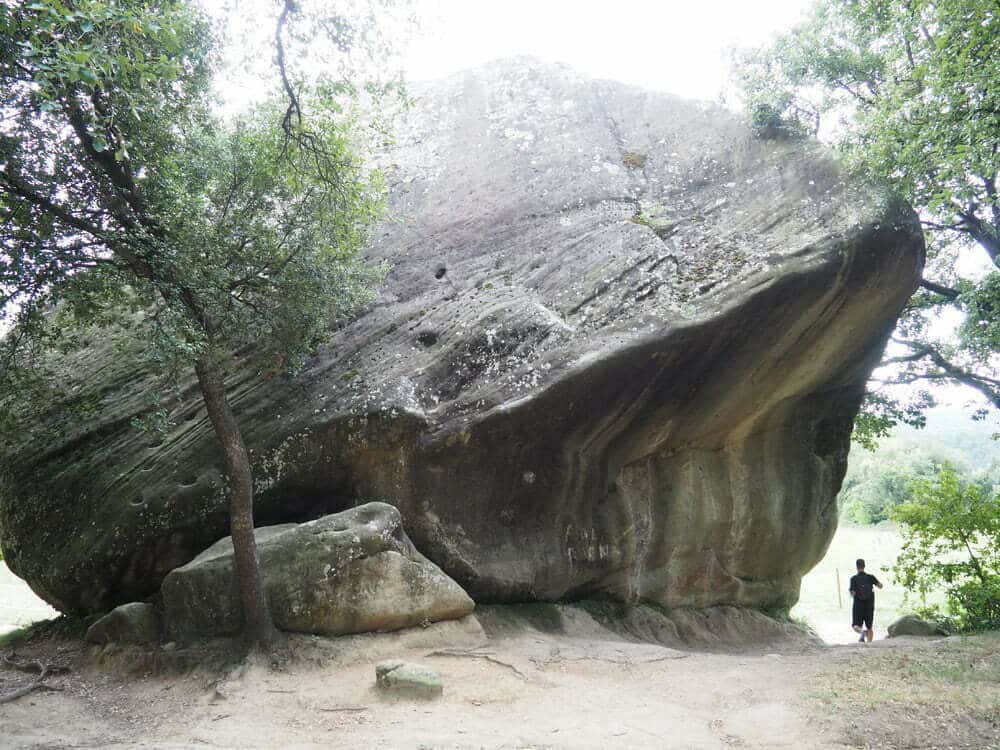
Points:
x=259 y=627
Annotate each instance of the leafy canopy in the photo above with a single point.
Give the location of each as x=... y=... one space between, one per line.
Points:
x=122 y=188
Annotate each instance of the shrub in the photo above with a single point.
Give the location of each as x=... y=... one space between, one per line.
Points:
x=951 y=539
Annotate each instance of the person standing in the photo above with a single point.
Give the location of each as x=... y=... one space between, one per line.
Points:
x=862 y=589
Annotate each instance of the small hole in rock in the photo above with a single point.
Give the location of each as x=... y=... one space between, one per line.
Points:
x=188 y=481
x=439 y=274
x=138 y=500
x=427 y=338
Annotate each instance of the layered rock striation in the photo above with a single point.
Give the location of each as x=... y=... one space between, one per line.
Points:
x=618 y=354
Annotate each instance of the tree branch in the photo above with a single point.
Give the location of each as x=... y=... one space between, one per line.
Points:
x=990 y=186
x=294 y=109
x=25 y=192
x=944 y=291
x=987 y=386
x=124 y=187
x=981 y=231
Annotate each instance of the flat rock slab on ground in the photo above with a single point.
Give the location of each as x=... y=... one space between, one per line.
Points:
x=401 y=679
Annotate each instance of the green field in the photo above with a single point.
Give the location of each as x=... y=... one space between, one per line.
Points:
x=818 y=603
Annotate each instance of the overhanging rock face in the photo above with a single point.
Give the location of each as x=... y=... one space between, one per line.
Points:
x=619 y=353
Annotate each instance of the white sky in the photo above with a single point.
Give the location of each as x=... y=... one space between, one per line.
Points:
x=671 y=45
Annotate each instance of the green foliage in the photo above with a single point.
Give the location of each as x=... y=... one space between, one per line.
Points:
x=126 y=199
x=981 y=329
x=917 y=85
x=881 y=413
x=878 y=479
x=15 y=637
x=869 y=496
x=951 y=529
x=910 y=93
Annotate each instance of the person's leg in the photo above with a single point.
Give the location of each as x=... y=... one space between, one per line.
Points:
x=857 y=618
x=870 y=619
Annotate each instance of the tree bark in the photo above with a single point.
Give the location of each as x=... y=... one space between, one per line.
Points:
x=259 y=627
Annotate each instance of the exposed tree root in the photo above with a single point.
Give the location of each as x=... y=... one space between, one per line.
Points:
x=38 y=684
x=33 y=667
x=471 y=654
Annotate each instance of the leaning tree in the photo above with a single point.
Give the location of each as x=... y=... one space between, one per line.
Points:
x=910 y=91
x=126 y=196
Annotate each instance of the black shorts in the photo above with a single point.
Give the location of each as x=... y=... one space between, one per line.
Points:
x=863 y=613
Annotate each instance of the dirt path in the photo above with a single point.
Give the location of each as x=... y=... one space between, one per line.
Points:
x=534 y=691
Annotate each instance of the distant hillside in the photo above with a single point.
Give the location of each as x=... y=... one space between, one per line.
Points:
x=953 y=429
x=877 y=480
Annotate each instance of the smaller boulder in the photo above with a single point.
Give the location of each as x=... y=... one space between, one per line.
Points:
x=135 y=622
x=401 y=679
x=349 y=572
x=913 y=625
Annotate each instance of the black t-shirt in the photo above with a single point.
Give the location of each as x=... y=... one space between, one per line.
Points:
x=863 y=586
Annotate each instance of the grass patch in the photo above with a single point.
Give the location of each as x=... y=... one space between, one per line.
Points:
x=14 y=637
x=961 y=673
x=64 y=627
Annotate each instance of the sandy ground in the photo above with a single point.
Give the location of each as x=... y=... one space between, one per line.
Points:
x=532 y=692
x=529 y=690
x=519 y=688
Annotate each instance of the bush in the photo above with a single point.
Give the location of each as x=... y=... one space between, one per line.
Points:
x=951 y=539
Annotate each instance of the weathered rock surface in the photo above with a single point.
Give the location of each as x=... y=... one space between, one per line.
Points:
x=404 y=680
x=350 y=572
x=135 y=622
x=618 y=354
x=913 y=625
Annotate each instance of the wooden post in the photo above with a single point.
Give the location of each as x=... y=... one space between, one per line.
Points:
x=840 y=596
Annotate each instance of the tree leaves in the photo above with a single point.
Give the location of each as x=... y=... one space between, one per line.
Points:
x=951 y=535
x=121 y=190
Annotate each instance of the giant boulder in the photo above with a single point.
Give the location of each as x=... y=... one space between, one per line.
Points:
x=618 y=353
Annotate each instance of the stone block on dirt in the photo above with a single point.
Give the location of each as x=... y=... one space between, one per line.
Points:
x=349 y=572
x=913 y=625
x=402 y=679
x=135 y=622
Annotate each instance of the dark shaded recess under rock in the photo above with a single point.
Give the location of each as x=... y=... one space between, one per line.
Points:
x=588 y=373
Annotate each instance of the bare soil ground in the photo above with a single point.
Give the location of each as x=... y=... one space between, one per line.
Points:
x=523 y=689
